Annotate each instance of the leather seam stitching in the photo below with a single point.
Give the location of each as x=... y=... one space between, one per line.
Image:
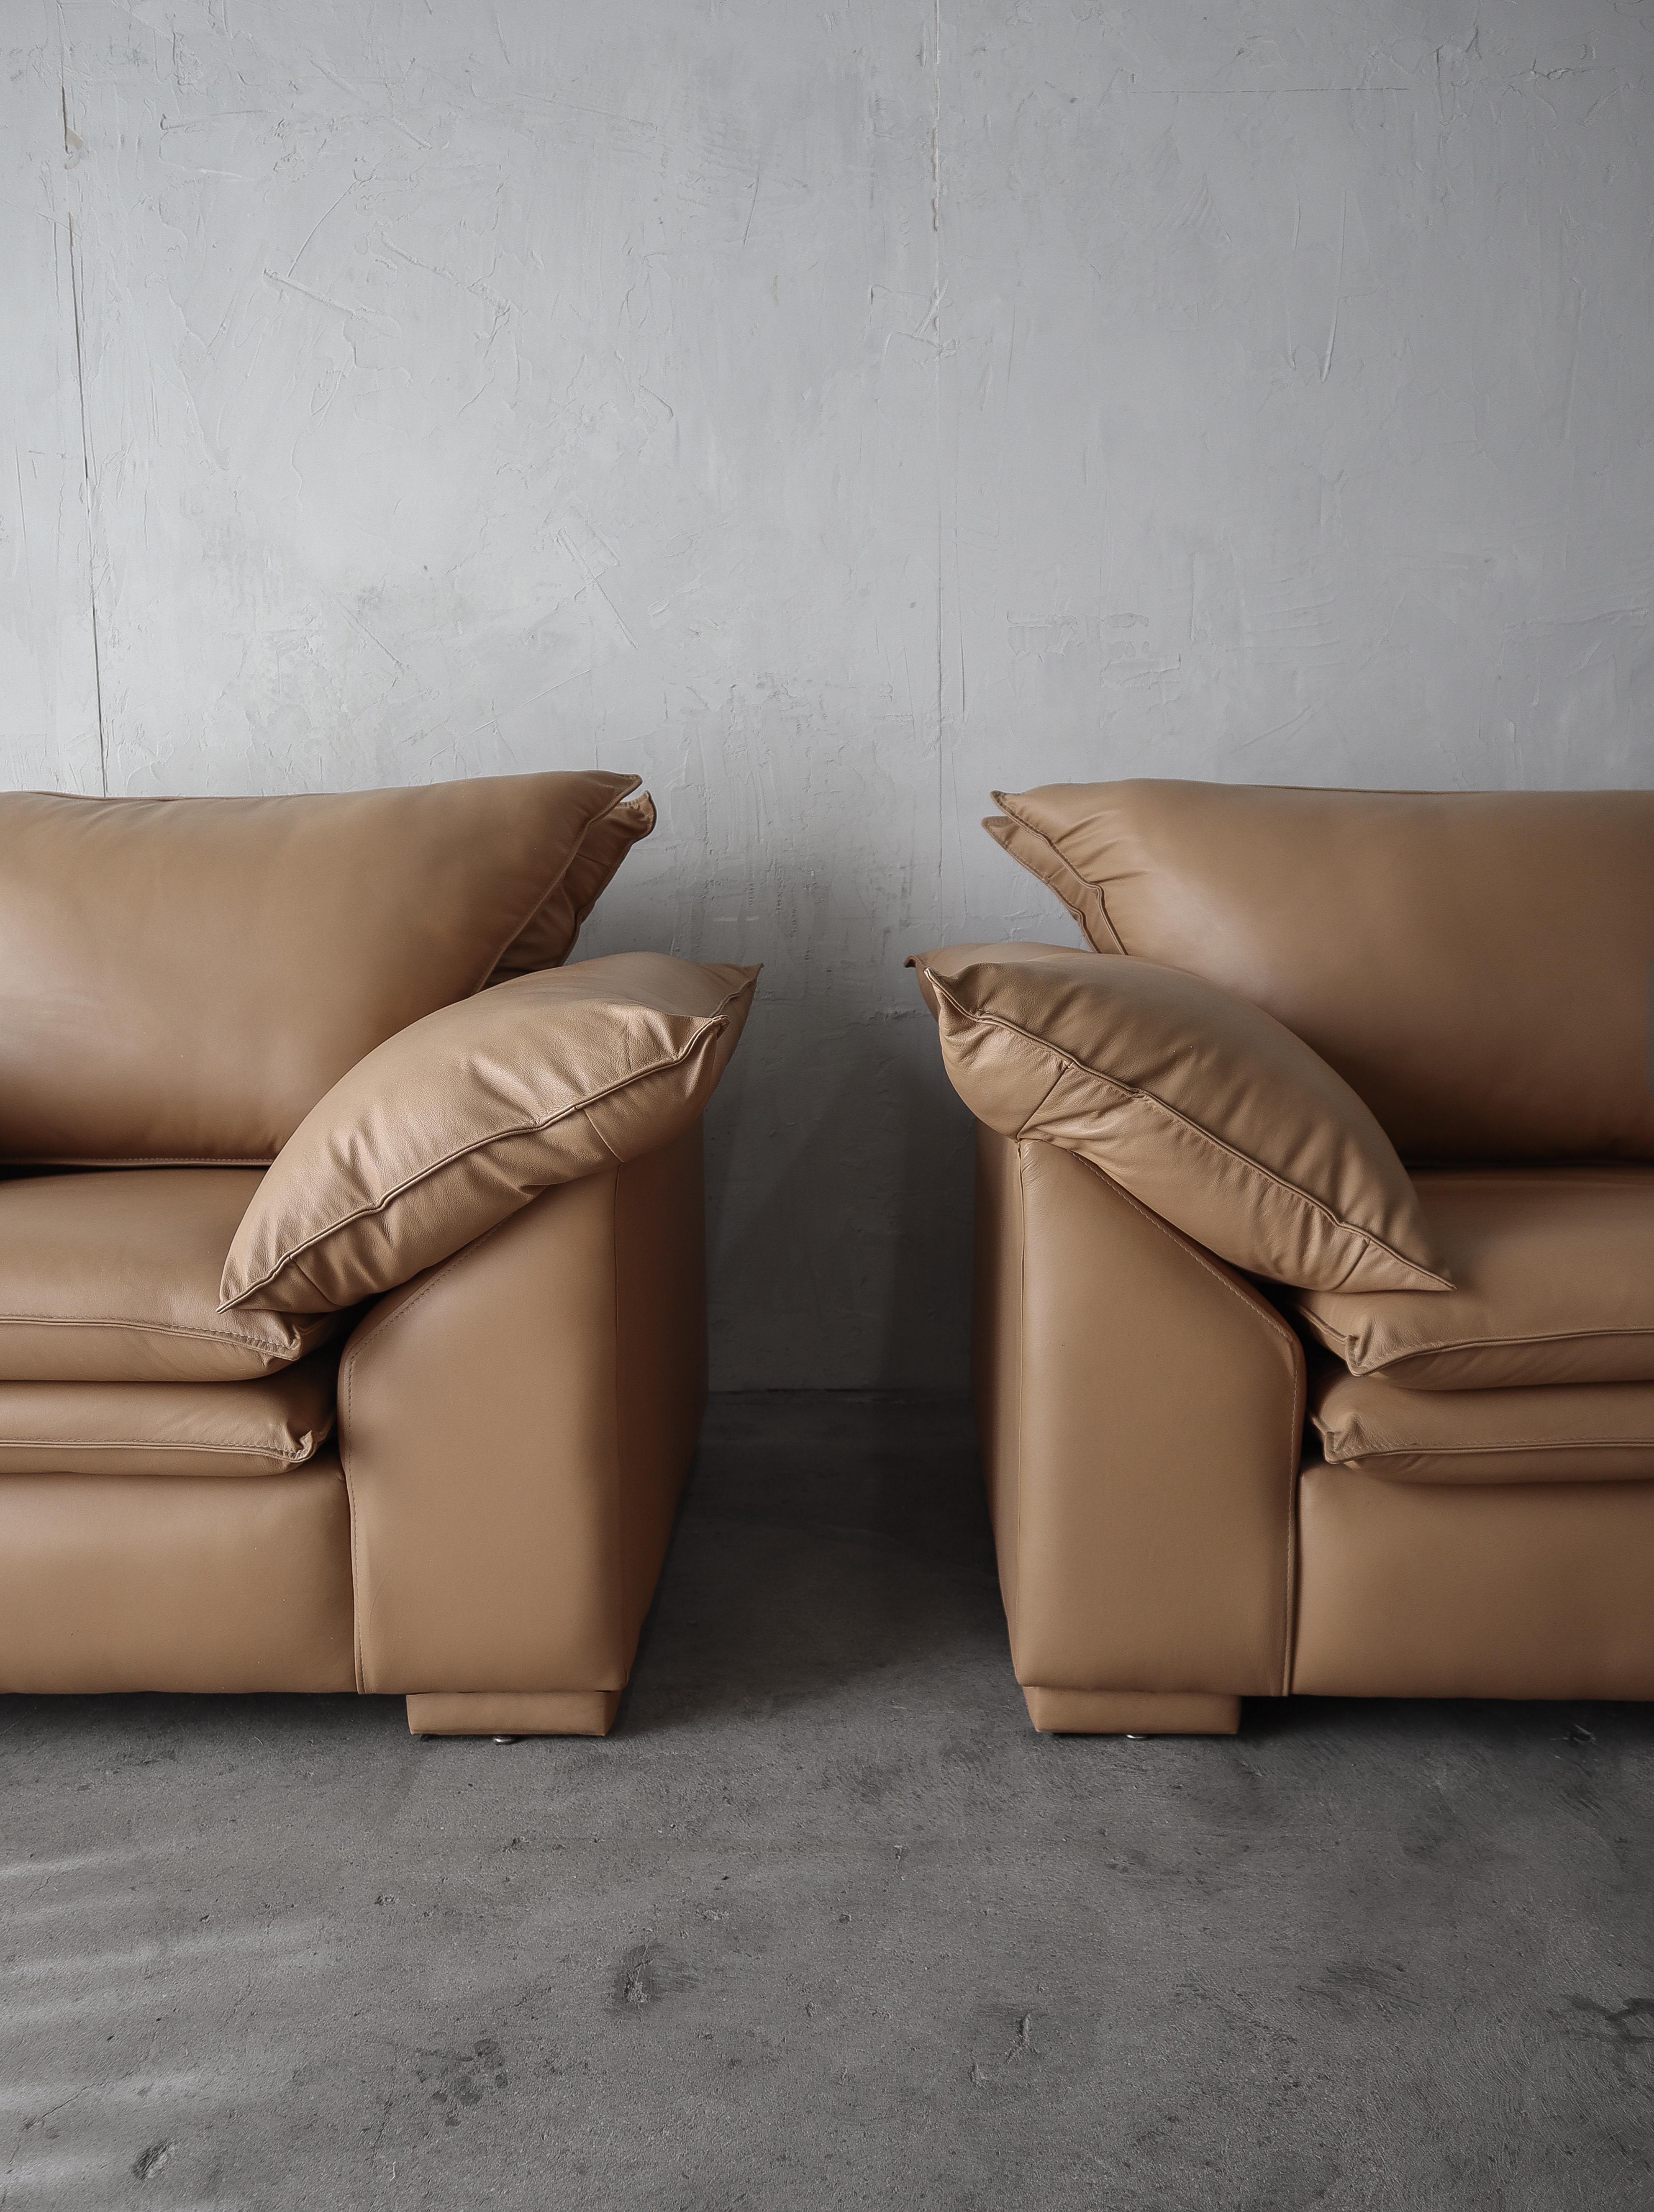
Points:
x=607 y=1147
x=619 y=1591
x=152 y=1443
x=1488 y=1343
x=130 y=1160
x=1336 y=1458
x=1022 y=1359
x=349 y=1375
x=140 y=1327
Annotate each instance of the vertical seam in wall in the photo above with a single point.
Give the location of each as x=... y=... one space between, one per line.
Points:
x=936 y=409
x=85 y=442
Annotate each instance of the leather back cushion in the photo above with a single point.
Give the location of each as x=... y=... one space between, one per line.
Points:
x=182 y=979
x=1475 y=965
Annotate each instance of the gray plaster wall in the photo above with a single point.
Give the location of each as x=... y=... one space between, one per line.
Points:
x=831 y=412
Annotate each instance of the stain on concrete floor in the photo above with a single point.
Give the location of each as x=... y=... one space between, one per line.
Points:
x=824 y=1923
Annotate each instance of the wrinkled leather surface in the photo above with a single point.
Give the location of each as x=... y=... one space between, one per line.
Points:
x=253 y=1428
x=1141 y=1407
x=184 y=978
x=167 y=1583
x=1219 y=1119
x=1553 y=1274
x=466 y=1117
x=1474 y=964
x=549 y=939
x=1569 y=1432
x=954 y=957
x=516 y=1426
x=1044 y=856
x=1533 y=1591
x=113 y=1277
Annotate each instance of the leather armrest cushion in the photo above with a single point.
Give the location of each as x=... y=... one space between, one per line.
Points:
x=463 y=1118
x=1200 y=1103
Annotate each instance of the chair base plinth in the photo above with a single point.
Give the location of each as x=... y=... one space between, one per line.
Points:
x=1131 y=1712
x=505 y=1714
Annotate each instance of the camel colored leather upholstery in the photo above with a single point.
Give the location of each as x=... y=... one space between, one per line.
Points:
x=515 y=1427
x=113 y=1277
x=1474 y=964
x=236 y=1429
x=1553 y=1283
x=1098 y=1712
x=1221 y=1120
x=1477 y=968
x=462 y=1119
x=168 y=1583
x=1140 y=1408
x=180 y=983
x=514 y=1712
x=1569 y=1432
x=1417 y=1590
x=182 y=979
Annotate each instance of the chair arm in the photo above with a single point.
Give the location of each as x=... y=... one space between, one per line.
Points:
x=1141 y=1412
x=515 y=1427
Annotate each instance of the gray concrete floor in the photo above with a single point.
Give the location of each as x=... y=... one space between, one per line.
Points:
x=824 y=1923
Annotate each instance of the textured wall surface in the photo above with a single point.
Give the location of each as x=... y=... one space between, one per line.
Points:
x=829 y=413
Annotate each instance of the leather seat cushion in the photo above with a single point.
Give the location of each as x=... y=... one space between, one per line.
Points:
x=113 y=1277
x=167 y=1583
x=261 y=1427
x=1554 y=1275
x=1474 y=964
x=1568 y=1433
x=1436 y=1590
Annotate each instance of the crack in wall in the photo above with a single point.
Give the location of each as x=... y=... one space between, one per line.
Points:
x=935 y=319
x=72 y=143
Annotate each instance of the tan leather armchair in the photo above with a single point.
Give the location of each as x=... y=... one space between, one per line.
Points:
x=1468 y=1510
x=452 y=1480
